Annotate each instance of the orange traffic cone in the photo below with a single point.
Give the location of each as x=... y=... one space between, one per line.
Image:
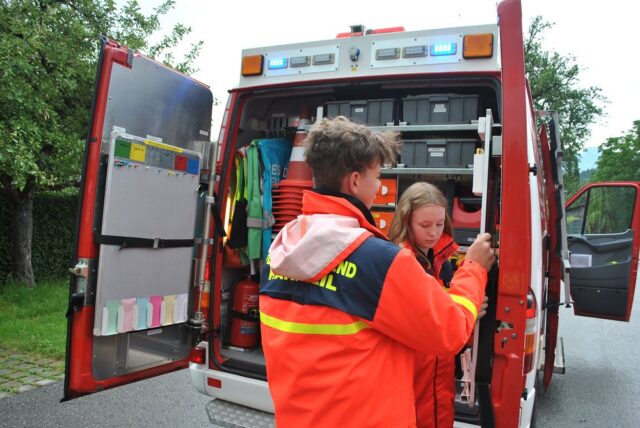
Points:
x=287 y=194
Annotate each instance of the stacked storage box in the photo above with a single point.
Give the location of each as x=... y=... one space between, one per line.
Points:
x=438 y=153
x=368 y=112
x=439 y=109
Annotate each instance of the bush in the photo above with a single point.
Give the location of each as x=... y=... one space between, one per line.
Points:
x=54 y=224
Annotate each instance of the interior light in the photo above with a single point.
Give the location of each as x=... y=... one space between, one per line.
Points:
x=442 y=49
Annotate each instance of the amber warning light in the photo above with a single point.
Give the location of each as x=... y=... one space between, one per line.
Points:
x=252 y=65
x=478 y=46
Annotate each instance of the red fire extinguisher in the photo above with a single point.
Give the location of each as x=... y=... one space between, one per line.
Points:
x=245 y=316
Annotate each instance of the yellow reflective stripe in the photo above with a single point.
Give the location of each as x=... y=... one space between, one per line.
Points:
x=302 y=328
x=463 y=301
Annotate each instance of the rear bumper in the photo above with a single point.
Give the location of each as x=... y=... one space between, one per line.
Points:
x=236 y=389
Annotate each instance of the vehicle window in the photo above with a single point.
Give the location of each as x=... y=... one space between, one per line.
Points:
x=575 y=215
x=609 y=210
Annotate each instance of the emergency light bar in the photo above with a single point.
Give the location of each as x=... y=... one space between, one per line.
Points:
x=463 y=49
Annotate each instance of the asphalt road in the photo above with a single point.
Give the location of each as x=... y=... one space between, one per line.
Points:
x=600 y=389
x=601 y=385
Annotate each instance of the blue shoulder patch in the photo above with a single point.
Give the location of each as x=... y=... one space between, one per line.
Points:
x=354 y=286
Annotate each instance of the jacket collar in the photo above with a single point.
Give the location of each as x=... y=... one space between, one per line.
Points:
x=321 y=201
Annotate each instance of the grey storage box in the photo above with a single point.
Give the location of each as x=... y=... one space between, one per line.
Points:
x=438 y=153
x=368 y=112
x=465 y=236
x=441 y=108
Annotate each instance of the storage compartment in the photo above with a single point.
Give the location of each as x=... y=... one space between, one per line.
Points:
x=466 y=216
x=369 y=112
x=387 y=192
x=438 y=153
x=439 y=108
x=383 y=219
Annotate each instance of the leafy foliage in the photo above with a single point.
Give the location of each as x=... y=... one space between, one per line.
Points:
x=54 y=216
x=554 y=81
x=48 y=53
x=48 y=56
x=620 y=157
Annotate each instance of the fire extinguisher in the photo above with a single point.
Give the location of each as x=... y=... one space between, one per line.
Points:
x=245 y=316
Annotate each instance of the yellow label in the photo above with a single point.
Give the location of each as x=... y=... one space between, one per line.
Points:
x=138 y=152
x=163 y=146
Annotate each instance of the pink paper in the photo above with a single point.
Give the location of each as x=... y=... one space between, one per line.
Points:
x=156 y=301
x=127 y=312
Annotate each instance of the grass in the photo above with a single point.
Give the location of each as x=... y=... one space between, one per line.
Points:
x=33 y=320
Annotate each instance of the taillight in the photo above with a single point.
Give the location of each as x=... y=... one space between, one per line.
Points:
x=198 y=355
x=530 y=332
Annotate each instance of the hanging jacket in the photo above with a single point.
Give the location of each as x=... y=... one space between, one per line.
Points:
x=343 y=312
x=275 y=154
x=254 y=202
x=434 y=381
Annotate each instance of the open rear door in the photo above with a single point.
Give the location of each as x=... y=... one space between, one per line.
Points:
x=603 y=221
x=131 y=292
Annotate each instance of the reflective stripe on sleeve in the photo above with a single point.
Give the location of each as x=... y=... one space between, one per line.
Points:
x=463 y=301
x=302 y=328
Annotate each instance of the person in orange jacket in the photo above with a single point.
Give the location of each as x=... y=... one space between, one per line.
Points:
x=343 y=310
x=421 y=224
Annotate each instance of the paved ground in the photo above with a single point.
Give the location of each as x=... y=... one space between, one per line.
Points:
x=21 y=373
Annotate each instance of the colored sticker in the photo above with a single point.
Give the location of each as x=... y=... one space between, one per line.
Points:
x=166 y=160
x=193 y=166
x=163 y=146
x=153 y=156
x=138 y=152
x=181 y=163
x=123 y=148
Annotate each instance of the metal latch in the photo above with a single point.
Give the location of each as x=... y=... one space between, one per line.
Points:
x=81 y=270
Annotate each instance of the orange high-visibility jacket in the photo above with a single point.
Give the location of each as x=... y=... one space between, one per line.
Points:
x=434 y=381
x=343 y=312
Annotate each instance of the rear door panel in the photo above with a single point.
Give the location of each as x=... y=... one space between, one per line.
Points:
x=149 y=131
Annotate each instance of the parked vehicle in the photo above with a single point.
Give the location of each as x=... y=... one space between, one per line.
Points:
x=160 y=282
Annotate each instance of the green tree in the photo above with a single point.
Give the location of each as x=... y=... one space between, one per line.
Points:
x=620 y=157
x=48 y=56
x=554 y=81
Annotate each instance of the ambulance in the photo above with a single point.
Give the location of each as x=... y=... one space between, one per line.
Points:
x=173 y=228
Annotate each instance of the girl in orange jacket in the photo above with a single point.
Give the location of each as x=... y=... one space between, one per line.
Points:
x=422 y=225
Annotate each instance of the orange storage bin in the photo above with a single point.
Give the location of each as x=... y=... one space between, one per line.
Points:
x=387 y=193
x=383 y=219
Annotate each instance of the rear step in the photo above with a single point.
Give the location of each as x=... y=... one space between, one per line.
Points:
x=558 y=364
x=230 y=415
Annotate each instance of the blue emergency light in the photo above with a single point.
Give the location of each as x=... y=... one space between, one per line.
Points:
x=277 y=63
x=443 y=49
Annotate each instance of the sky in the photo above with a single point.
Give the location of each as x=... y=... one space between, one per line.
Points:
x=601 y=36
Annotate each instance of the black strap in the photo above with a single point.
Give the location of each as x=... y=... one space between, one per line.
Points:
x=253 y=315
x=133 y=242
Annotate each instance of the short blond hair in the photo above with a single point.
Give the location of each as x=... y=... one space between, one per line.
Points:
x=416 y=196
x=337 y=147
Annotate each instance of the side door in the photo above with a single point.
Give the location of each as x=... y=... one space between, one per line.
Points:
x=603 y=221
x=131 y=291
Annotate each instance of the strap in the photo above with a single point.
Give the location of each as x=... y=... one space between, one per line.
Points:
x=133 y=242
x=253 y=315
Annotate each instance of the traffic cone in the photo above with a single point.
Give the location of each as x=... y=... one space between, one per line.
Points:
x=287 y=194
